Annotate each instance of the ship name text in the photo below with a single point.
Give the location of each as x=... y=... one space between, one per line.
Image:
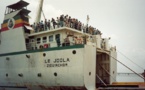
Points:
x=58 y=62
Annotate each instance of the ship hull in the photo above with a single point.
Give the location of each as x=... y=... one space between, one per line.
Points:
x=60 y=67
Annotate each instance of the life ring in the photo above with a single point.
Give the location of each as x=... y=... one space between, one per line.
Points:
x=45 y=45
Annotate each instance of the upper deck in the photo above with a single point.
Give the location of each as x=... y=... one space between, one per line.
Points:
x=60 y=32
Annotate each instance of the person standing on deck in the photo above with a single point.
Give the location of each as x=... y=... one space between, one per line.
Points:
x=69 y=21
x=48 y=24
x=34 y=27
x=45 y=25
x=53 y=22
x=66 y=41
x=42 y=26
x=62 y=20
x=58 y=22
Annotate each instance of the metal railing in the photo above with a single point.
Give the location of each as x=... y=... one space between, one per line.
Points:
x=34 y=46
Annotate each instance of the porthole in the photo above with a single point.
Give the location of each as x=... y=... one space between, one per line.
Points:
x=44 y=54
x=55 y=74
x=28 y=56
x=39 y=75
x=7 y=58
x=7 y=75
x=74 y=51
x=20 y=75
x=89 y=73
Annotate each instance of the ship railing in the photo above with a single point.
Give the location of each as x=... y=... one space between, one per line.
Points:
x=34 y=46
x=62 y=43
x=82 y=29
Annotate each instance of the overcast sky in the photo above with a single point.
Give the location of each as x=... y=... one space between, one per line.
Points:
x=122 y=20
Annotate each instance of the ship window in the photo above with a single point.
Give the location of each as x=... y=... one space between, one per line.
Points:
x=38 y=40
x=32 y=48
x=32 y=40
x=51 y=38
x=44 y=39
x=27 y=40
x=35 y=47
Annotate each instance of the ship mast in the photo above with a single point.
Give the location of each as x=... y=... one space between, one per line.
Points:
x=38 y=17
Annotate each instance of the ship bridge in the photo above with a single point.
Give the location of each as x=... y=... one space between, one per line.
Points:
x=17 y=6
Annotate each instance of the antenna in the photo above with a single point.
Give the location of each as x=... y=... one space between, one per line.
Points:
x=38 y=17
x=88 y=18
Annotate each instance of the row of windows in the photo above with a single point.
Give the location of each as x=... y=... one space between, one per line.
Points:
x=44 y=39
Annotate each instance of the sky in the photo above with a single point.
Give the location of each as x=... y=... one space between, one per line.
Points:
x=122 y=20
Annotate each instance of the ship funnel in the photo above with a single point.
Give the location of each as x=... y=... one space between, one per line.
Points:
x=15 y=16
x=14 y=27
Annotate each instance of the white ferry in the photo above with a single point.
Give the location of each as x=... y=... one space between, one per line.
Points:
x=63 y=58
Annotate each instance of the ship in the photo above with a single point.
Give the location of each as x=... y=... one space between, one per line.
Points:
x=62 y=58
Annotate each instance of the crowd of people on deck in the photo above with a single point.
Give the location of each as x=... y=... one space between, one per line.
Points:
x=64 y=21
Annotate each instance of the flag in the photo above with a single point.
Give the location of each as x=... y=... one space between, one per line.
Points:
x=88 y=18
